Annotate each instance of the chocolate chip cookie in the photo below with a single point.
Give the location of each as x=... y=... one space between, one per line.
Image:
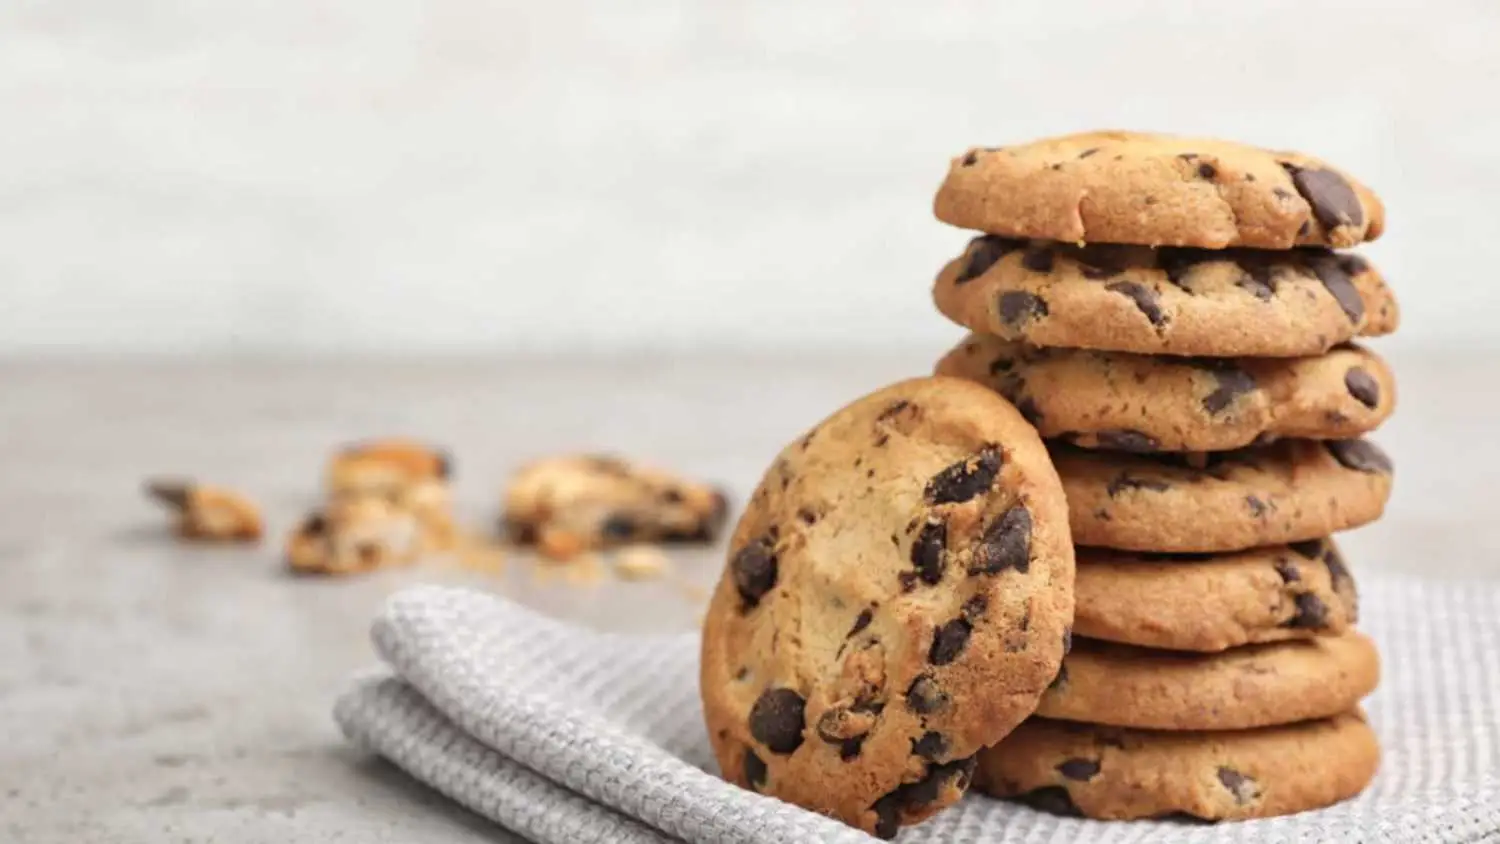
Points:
x=1203 y=602
x=412 y=476
x=1237 y=689
x=897 y=596
x=208 y=513
x=1288 y=491
x=355 y=534
x=570 y=504
x=1233 y=303
x=1118 y=774
x=1127 y=402
x=1157 y=190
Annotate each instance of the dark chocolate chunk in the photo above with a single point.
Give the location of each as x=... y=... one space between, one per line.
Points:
x=1288 y=571
x=1242 y=787
x=1231 y=383
x=1082 y=770
x=927 y=552
x=1359 y=455
x=776 y=720
x=1258 y=508
x=965 y=479
x=1363 y=386
x=1259 y=275
x=1052 y=799
x=174 y=494
x=973 y=609
x=1179 y=261
x=1088 y=152
x=444 y=464
x=1144 y=298
x=316 y=524
x=924 y=697
x=861 y=622
x=618 y=526
x=1018 y=307
x=948 y=641
x=1207 y=171
x=1005 y=544
x=1099 y=261
x=1038 y=259
x=932 y=746
x=754 y=571
x=984 y=252
x=1311 y=613
x=1326 y=267
x=1126 y=439
x=755 y=770
x=969 y=158
x=923 y=792
x=1334 y=202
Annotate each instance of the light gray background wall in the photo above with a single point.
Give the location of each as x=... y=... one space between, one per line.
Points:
x=462 y=175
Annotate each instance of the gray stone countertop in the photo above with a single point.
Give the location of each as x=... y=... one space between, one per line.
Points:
x=154 y=691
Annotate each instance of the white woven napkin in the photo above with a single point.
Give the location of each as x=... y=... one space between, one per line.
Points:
x=567 y=736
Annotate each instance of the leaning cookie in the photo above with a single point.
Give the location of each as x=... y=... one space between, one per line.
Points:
x=1234 y=303
x=1157 y=190
x=1121 y=774
x=1128 y=402
x=208 y=513
x=1237 y=689
x=1288 y=491
x=1210 y=602
x=897 y=596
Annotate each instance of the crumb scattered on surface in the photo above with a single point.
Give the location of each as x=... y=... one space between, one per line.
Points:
x=693 y=592
x=208 y=513
x=640 y=562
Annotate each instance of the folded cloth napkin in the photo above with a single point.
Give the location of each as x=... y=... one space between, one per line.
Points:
x=568 y=736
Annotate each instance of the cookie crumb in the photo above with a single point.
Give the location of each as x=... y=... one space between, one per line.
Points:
x=208 y=513
x=640 y=562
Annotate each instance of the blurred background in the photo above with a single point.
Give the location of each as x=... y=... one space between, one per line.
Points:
x=335 y=177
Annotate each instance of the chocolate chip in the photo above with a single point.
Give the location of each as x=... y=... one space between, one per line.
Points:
x=1311 y=613
x=618 y=526
x=842 y=724
x=1242 y=787
x=1126 y=439
x=1005 y=544
x=755 y=770
x=948 y=641
x=369 y=553
x=444 y=464
x=908 y=580
x=1333 y=200
x=316 y=524
x=1018 y=307
x=965 y=479
x=969 y=158
x=923 y=792
x=924 y=697
x=861 y=622
x=932 y=746
x=1257 y=507
x=776 y=720
x=1144 y=297
x=1258 y=275
x=1127 y=481
x=1311 y=549
x=973 y=609
x=984 y=252
x=1053 y=799
x=754 y=571
x=1088 y=152
x=1179 y=262
x=1352 y=264
x=1288 y=571
x=1231 y=383
x=1359 y=455
x=1207 y=171
x=1038 y=259
x=849 y=749
x=1363 y=386
x=1082 y=770
x=1338 y=573
x=1326 y=267
x=927 y=552
x=1104 y=260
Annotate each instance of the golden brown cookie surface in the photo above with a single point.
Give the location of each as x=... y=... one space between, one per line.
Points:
x=1156 y=190
x=1119 y=774
x=896 y=597
x=1238 y=302
x=1127 y=402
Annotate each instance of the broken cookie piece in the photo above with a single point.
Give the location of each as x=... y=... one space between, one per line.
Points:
x=208 y=513
x=353 y=535
x=569 y=504
x=410 y=475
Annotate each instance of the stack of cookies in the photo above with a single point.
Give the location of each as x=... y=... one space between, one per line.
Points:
x=1170 y=315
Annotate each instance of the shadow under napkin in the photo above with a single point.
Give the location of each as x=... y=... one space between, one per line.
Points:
x=565 y=736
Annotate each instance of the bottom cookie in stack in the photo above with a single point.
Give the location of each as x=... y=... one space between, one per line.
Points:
x=1229 y=688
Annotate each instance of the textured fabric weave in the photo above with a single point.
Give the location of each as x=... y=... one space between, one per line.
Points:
x=567 y=736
